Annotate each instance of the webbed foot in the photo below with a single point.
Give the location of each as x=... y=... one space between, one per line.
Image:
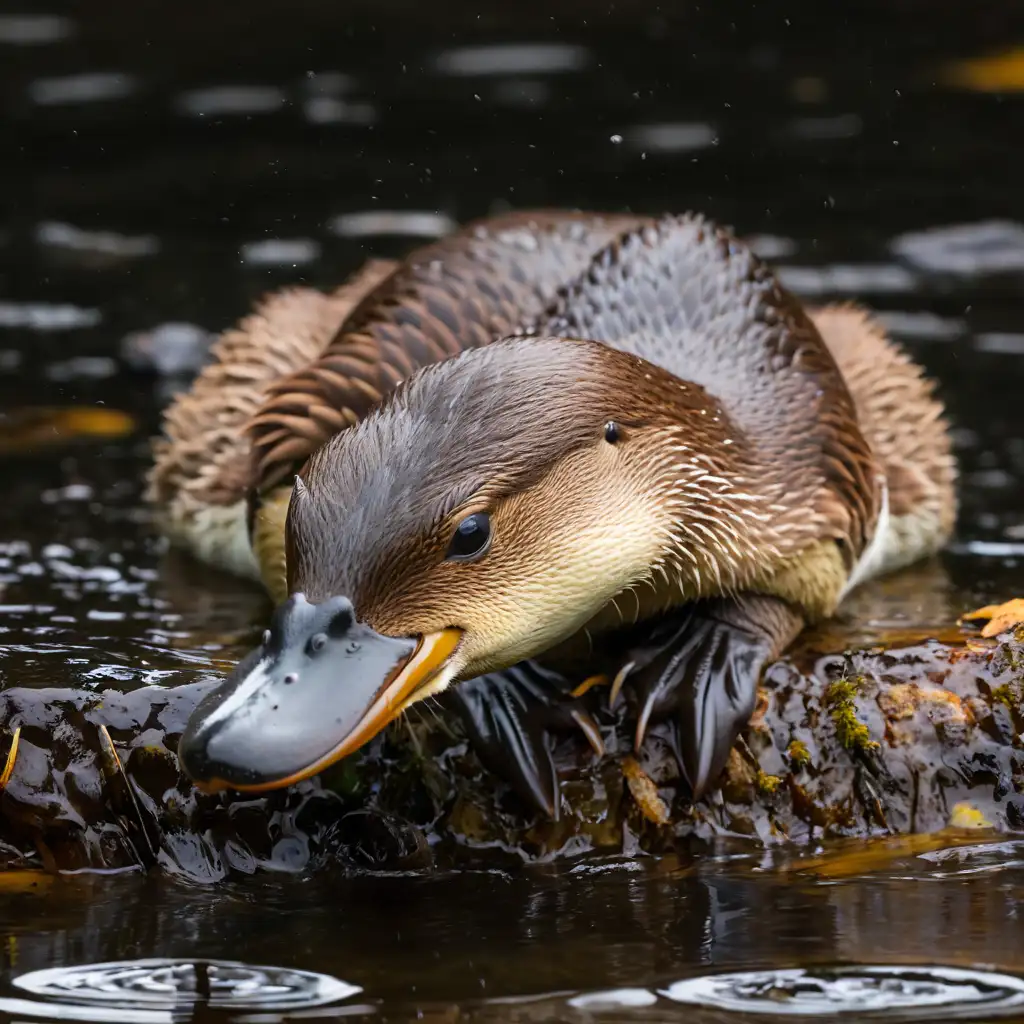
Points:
x=508 y=716
x=700 y=670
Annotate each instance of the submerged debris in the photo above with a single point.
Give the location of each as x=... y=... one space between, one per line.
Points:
x=645 y=793
x=915 y=739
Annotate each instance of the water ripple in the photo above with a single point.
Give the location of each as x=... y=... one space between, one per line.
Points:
x=1004 y=343
x=230 y=99
x=170 y=348
x=412 y=223
x=969 y=250
x=613 y=999
x=82 y=368
x=103 y=243
x=921 y=325
x=154 y=990
x=848 y=279
x=988 y=548
x=280 y=252
x=34 y=29
x=772 y=247
x=328 y=83
x=45 y=316
x=912 y=992
x=512 y=59
x=671 y=137
x=332 y=110
x=89 y=87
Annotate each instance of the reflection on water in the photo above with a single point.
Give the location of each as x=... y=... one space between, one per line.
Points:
x=403 y=223
x=176 y=164
x=33 y=30
x=540 y=945
x=85 y=88
x=155 y=991
x=230 y=99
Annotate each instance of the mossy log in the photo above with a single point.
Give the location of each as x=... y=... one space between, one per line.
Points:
x=910 y=738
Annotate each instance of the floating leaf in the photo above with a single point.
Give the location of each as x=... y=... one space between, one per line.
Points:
x=866 y=857
x=998 y=72
x=1001 y=617
x=16 y=881
x=23 y=430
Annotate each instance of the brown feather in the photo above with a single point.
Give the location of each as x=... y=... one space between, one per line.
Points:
x=434 y=307
x=806 y=412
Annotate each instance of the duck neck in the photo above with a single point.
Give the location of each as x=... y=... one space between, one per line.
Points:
x=729 y=525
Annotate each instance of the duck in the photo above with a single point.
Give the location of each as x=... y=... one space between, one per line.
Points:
x=546 y=433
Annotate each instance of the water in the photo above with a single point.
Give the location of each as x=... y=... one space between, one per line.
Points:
x=165 y=167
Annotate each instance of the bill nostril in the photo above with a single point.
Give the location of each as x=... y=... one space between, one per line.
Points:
x=341 y=622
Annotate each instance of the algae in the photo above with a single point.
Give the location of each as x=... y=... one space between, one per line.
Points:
x=841 y=702
x=798 y=754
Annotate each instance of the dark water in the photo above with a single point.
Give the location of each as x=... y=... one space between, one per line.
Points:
x=167 y=164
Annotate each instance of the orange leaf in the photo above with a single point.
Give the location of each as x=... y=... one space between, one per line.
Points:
x=645 y=792
x=23 y=430
x=18 y=880
x=1000 y=616
x=998 y=72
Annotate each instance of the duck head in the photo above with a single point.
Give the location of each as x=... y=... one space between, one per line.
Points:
x=486 y=510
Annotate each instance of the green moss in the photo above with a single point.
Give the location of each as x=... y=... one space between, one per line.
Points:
x=1011 y=653
x=767 y=784
x=841 y=702
x=798 y=754
x=1009 y=695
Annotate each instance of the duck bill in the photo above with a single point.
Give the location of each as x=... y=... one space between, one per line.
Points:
x=321 y=686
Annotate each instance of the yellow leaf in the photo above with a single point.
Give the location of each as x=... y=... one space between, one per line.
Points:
x=23 y=430
x=24 y=881
x=1001 y=617
x=998 y=72
x=965 y=815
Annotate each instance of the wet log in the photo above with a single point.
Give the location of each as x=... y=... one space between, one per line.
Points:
x=913 y=737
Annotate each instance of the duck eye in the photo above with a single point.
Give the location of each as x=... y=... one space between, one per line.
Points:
x=471 y=539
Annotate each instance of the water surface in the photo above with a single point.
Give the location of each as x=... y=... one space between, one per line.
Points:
x=169 y=167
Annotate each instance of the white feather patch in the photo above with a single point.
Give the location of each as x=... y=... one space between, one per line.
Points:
x=872 y=561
